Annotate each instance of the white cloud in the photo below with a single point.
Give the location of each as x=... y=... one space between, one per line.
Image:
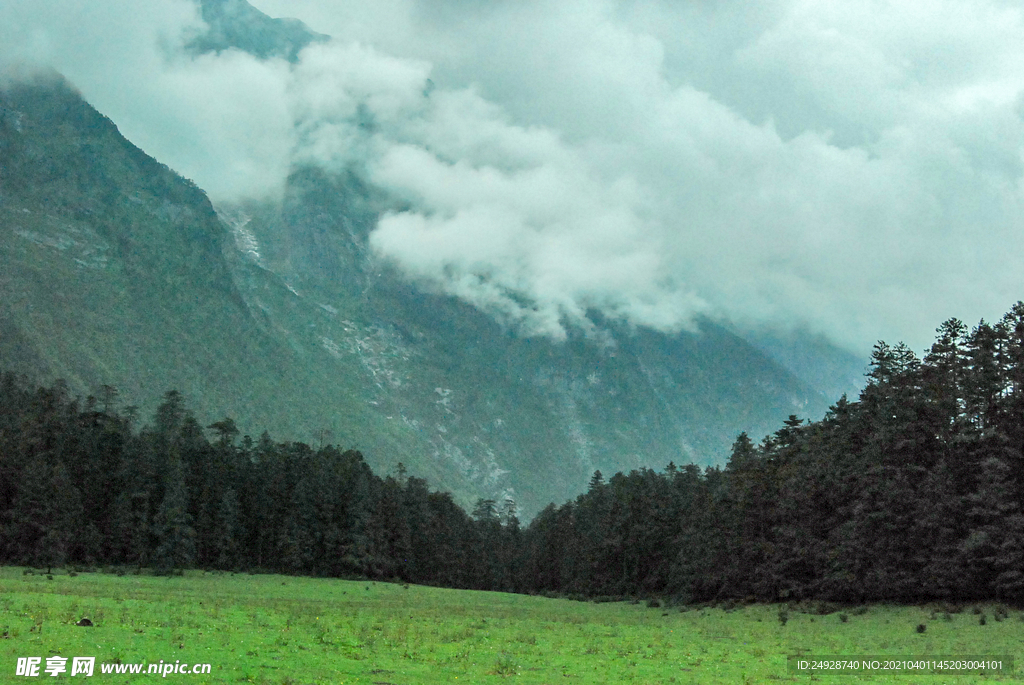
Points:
x=221 y=120
x=853 y=168
x=550 y=233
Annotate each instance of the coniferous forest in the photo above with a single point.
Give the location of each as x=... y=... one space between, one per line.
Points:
x=913 y=492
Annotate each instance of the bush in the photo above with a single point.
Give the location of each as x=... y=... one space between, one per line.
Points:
x=825 y=608
x=506 y=665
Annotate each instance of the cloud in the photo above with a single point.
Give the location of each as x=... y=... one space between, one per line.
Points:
x=852 y=169
x=856 y=168
x=509 y=218
x=221 y=120
x=550 y=233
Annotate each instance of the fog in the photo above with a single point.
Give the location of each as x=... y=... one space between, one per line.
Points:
x=849 y=169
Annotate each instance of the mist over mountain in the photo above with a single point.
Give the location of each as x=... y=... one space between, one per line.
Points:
x=422 y=270
x=801 y=167
x=815 y=360
x=278 y=314
x=237 y=24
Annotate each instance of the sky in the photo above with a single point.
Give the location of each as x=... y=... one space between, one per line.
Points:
x=851 y=169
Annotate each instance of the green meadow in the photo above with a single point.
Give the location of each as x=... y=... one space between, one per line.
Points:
x=283 y=630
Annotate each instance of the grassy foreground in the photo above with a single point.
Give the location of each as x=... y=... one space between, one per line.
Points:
x=282 y=630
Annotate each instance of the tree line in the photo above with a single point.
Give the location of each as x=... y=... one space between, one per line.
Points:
x=911 y=492
x=80 y=485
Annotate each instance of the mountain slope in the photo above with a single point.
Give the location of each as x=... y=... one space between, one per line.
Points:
x=115 y=270
x=237 y=24
x=527 y=417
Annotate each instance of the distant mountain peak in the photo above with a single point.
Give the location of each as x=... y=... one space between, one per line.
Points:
x=237 y=24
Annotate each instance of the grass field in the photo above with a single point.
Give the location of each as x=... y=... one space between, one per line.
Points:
x=281 y=630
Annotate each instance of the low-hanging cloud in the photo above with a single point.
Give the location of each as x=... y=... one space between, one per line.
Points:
x=222 y=120
x=509 y=218
x=852 y=169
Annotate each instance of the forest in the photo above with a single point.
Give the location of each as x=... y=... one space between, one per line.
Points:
x=910 y=493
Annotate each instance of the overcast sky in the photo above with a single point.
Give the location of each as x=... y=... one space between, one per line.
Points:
x=851 y=168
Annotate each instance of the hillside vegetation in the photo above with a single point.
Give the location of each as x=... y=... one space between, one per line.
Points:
x=911 y=493
x=116 y=271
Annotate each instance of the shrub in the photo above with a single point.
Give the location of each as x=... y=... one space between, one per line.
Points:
x=506 y=665
x=825 y=608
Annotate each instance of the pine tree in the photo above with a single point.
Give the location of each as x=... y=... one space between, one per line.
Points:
x=128 y=537
x=228 y=531
x=47 y=514
x=176 y=546
x=983 y=381
x=30 y=509
x=943 y=379
x=64 y=518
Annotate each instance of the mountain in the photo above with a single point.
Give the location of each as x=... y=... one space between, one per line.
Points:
x=116 y=271
x=237 y=24
x=476 y=392
x=813 y=359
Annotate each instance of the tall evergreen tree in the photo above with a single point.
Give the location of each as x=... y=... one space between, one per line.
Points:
x=176 y=548
x=47 y=514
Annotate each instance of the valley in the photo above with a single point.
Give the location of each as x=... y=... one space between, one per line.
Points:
x=118 y=272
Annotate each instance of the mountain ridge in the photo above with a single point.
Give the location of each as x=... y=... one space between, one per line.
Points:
x=120 y=272
x=237 y=24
